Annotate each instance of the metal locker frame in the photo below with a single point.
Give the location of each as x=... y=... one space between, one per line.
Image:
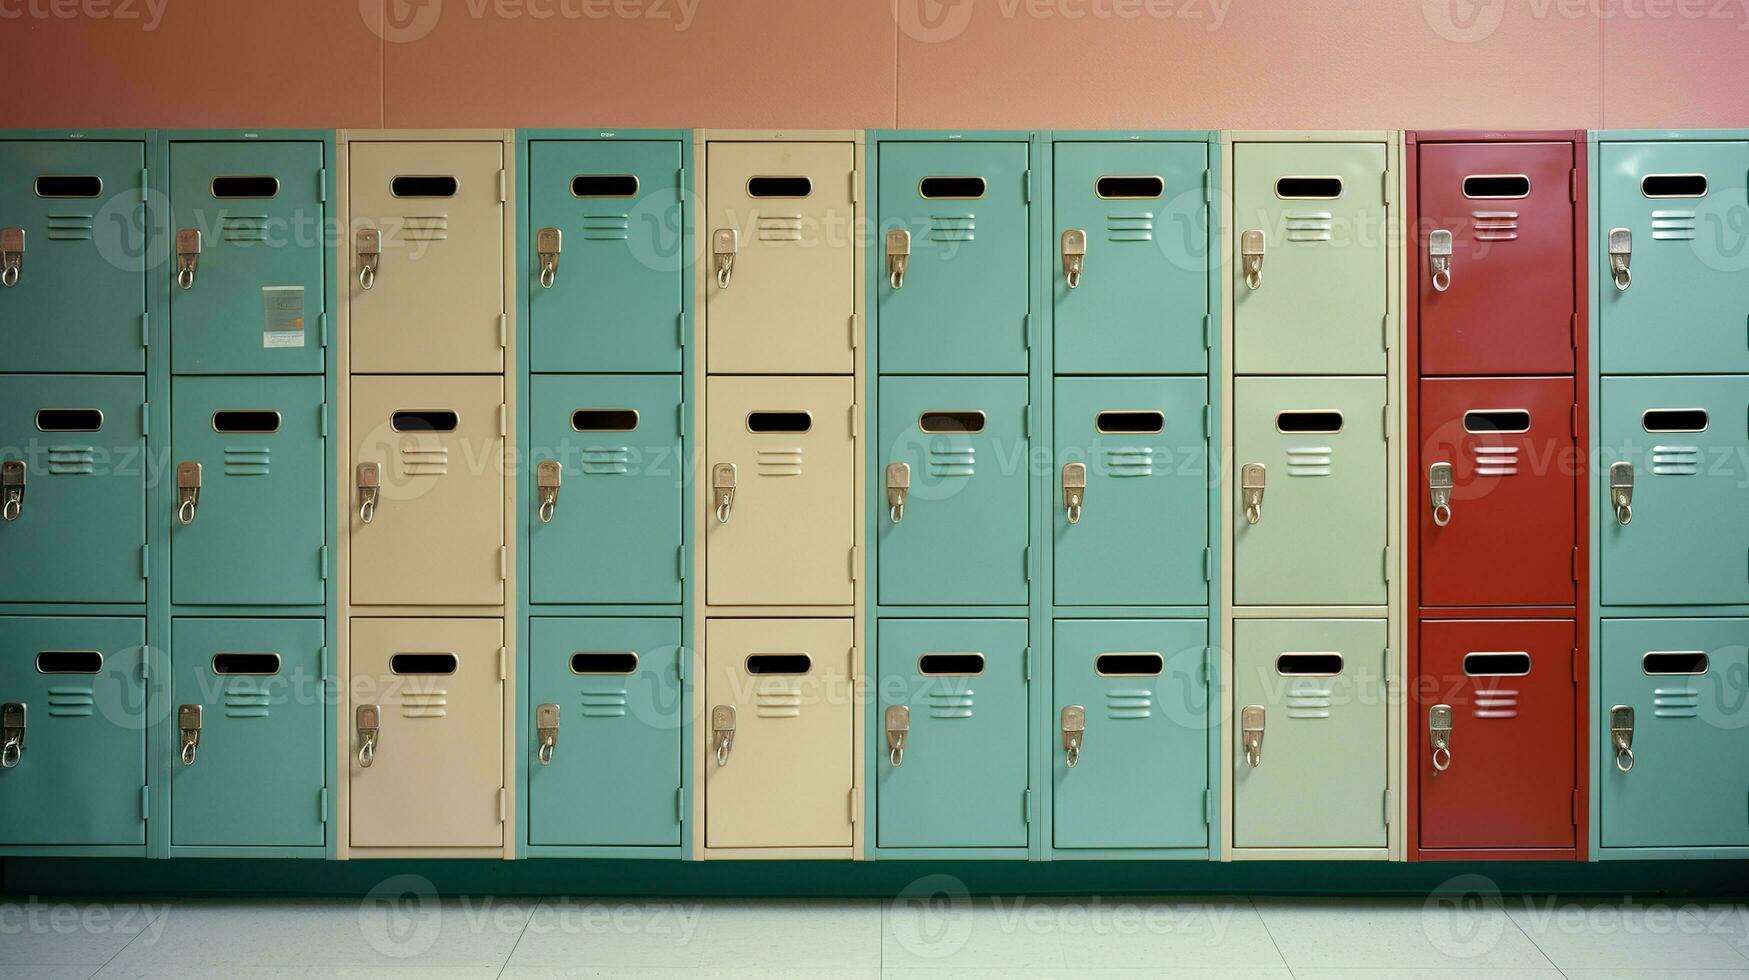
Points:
x=345 y=494
x=155 y=337
x=701 y=610
x=1597 y=256
x=1415 y=612
x=522 y=512
x=1393 y=807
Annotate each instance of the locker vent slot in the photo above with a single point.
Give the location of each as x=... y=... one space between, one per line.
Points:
x=69 y=662
x=69 y=226
x=1129 y=703
x=1667 y=662
x=243 y=702
x=1307 y=226
x=422 y=663
x=423 y=186
x=1495 y=226
x=606 y=461
x=1308 y=188
x=779 y=186
x=1309 y=664
x=604 y=662
x=1309 y=422
x=254 y=664
x=1129 y=664
x=424 y=420
x=951 y=188
x=1496 y=460
x=1129 y=461
x=951 y=422
x=1676 y=460
x=1136 y=227
x=248 y=461
x=69 y=185
x=779 y=663
x=950 y=664
x=254 y=188
x=1309 y=461
x=1674 y=420
x=792 y=422
x=604 y=185
x=1673 y=185
x=604 y=419
x=1497 y=420
x=258 y=421
x=1496 y=664
x=945 y=462
x=1500 y=703
x=69 y=420
x=1130 y=423
x=607 y=227
x=604 y=700
x=1497 y=185
x=72 y=460
x=72 y=702
x=1129 y=188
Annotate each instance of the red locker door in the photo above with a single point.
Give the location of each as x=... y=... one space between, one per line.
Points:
x=1508 y=308
x=1510 y=778
x=1508 y=537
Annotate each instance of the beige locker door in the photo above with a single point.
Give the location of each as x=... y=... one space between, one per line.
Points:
x=438 y=297
x=437 y=769
x=437 y=532
x=792 y=290
x=792 y=522
x=787 y=777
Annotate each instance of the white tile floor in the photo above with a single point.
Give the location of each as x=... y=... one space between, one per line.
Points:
x=403 y=931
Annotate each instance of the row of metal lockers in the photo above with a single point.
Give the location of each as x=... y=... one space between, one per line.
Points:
x=1026 y=495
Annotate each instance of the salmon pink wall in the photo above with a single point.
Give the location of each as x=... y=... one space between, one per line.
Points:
x=1243 y=64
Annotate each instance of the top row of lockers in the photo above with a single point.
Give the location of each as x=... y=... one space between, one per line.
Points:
x=977 y=242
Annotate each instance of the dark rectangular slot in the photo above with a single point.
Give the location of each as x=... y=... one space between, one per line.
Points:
x=1129 y=664
x=69 y=662
x=424 y=420
x=1130 y=423
x=69 y=185
x=1496 y=664
x=423 y=186
x=258 y=664
x=1497 y=420
x=779 y=663
x=246 y=420
x=1673 y=185
x=1497 y=185
x=1129 y=188
x=69 y=420
x=1309 y=664
x=604 y=662
x=604 y=419
x=1314 y=188
x=1309 y=422
x=779 y=421
x=251 y=187
x=604 y=185
x=1674 y=420
x=957 y=188
x=779 y=187
x=423 y=663
x=1674 y=662
x=951 y=422
x=951 y=664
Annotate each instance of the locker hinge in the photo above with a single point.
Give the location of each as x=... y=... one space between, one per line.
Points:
x=145 y=329
x=1573 y=421
x=1385 y=417
x=1026 y=665
x=145 y=561
x=322 y=192
x=1387 y=188
x=503 y=186
x=1026 y=421
x=145 y=418
x=680 y=663
x=680 y=331
x=852 y=328
x=322 y=420
x=503 y=663
x=145 y=803
x=1575 y=564
x=1026 y=562
x=503 y=419
x=322 y=562
x=853 y=420
x=680 y=562
x=1026 y=805
x=501 y=801
x=1387 y=808
x=680 y=182
x=1573 y=185
x=1387 y=563
x=145 y=668
x=145 y=182
x=1208 y=805
x=503 y=331
x=1026 y=330
x=322 y=805
x=1208 y=421
x=1573 y=329
x=1385 y=332
x=1575 y=665
x=1208 y=187
x=680 y=418
x=680 y=803
x=851 y=798
x=1208 y=564
x=1205 y=666
x=322 y=664
x=322 y=329
x=503 y=564
x=1027 y=176
x=1575 y=810
x=855 y=186
x=1208 y=335
x=853 y=576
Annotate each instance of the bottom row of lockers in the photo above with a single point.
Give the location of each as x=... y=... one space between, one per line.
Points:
x=1128 y=704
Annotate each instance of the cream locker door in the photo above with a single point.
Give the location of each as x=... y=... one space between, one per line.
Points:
x=436 y=533
x=785 y=537
x=437 y=299
x=791 y=289
x=436 y=769
x=785 y=777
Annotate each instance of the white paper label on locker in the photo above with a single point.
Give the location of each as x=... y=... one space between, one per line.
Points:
x=284 y=306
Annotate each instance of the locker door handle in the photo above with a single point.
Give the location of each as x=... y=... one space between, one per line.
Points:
x=1621 y=257
x=367 y=718
x=723 y=490
x=548 y=242
x=1251 y=248
x=1251 y=721
x=1439 y=735
x=1074 y=242
x=1439 y=258
x=898 y=489
x=11 y=734
x=1073 y=719
x=368 y=244
x=725 y=242
x=370 y=481
x=1252 y=477
x=187 y=491
x=11 y=489
x=1074 y=490
x=898 y=256
x=547 y=476
x=187 y=256
x=1439 y=483
x=722 y=732
x=898 y=732
x=1621 y=491
x=546 y=724
x=188 y=718
x=1621 y=735
x=11 y=256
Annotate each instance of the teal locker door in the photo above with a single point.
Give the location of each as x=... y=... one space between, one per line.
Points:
x=961 y=537
x=955 y=691
x=1319 y=779
x=960 y=305
x=1678 y=207
x=256 y=776
x=254 y=534
x=81 y=766
x=612 y=302
x=613 y=532
x=79 y=302
x=612 y=776
x=1139 y=536
x=254 y=299
x=1140 y=778
x=78 y=532
x=1140 y=302
x=1686 y=533
x=1686 y=782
